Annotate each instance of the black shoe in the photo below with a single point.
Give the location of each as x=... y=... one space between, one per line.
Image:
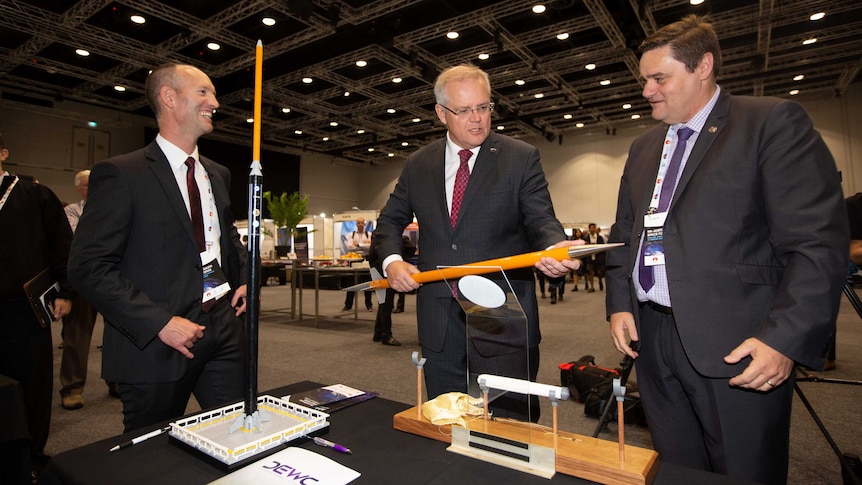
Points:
x=398 y=310
x=346 y=309
x=601 y=286
x=575 y=288
x=391 y=341
x=114 y=389
x=561 y=294
x=376 y=338
x=553 y=298
x=370 y=309
x=591 y=290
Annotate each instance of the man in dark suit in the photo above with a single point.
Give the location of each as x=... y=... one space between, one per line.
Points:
x=155 y=221
x=505 y=209
x=746 y=265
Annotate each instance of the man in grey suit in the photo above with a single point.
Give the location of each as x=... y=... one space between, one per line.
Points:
x=742 y=264
x=155 y=221
x=503 y=209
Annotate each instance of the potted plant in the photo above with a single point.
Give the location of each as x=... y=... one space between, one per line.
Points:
x=286 y=211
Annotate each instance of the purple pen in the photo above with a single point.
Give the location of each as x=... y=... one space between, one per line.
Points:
x=334 y=446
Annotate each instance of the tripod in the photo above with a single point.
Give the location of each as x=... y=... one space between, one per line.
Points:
x=625 y=369
x=851 y=468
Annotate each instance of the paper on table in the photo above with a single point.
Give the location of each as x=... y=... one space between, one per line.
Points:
x=294 y=465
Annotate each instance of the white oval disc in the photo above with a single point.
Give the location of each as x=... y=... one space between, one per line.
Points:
x=481 y=291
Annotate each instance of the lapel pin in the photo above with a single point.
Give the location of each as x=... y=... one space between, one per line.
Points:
x=713 y=129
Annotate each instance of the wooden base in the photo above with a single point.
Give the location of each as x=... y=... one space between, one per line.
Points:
x=576 y=455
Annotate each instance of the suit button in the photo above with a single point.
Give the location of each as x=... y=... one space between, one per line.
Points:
x=454 y=247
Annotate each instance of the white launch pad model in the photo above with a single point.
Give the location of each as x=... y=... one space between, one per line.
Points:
x=209 y=432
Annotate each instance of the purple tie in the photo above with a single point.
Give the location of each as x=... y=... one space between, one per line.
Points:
x=646 y=277
x=195 y=205
x=461 y=179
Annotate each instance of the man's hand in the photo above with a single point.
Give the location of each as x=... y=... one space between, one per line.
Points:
x=181 y=334
x=239 y=294
x=553 y=268
x=768 y=367
x=62 y=307
x=398 y=273
x=622 y=322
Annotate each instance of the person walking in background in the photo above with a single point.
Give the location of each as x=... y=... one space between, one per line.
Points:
x=735 y=256
x=78 y=324
x=358 y=241
x=34 y=236
x=594 y=264
x=156 y=220
x=476 y=195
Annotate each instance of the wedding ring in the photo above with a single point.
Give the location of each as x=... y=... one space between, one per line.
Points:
x=769 y=383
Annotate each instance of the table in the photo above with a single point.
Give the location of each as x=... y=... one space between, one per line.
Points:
x=321 y=271
x=382 y=454
x=274 y=268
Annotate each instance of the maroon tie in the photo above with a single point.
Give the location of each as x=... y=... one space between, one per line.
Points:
x=461 y=179
x=195 y=204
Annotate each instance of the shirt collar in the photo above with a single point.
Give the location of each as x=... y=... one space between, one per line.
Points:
x=176 y=156
x=699 y=119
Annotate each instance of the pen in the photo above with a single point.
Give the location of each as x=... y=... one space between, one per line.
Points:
x=141 y=438
x=334 y=446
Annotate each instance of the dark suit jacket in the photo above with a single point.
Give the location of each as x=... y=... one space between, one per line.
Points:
x=135 y=259
x=756 y=238
x=506 y=210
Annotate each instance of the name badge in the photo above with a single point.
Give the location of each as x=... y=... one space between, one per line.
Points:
x=653 y=245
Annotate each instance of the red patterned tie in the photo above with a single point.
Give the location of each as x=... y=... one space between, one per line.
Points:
x=195 y=204
x=461 y=179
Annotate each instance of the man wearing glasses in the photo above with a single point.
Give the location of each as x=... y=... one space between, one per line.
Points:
x=476 y=195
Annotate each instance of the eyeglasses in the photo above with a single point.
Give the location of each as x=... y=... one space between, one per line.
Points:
x=482 y=109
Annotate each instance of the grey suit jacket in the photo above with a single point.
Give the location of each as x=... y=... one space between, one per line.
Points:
x=134 y=257
x=756 y=237
x=506 y=210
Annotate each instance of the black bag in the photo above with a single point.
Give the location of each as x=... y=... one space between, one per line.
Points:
x=583 y=376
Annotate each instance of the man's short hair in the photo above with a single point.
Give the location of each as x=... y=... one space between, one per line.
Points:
x=79 y=177
x=164 y=75
x=458 y=73
x=689 y=39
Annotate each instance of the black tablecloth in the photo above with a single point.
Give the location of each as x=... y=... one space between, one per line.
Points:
x=381 y=454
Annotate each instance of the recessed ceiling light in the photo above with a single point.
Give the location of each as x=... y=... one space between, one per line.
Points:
x=390 y=154
x=417 y=120
x=346 y=94
x=538 y=8
x=794 y=92
x=404 y=144
x=396 y=80
x=333 y=124
x=325 y=138
x=605 y=82
x=452 y=35
x=119 y=88
x=361 y=63
x=268 y=21
x=307 y=80
x=371 y=149
x=500 y=127
x=579 y=125
x=799 y=77
x=213 y=46
x=391 y=111
x=809 y=41
x=539 y=95
x=636 y=116
x=483 y=56
x=82 y=52
x=285 y=110
x=590 y=67
x=249 y=120
x=563 y=36
x=567 y=116
x=360 y=132
x=139 y=19
x=520 y=82
x=627 y=106
x=817 y=16
x=695 y=2
x=297 y=132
